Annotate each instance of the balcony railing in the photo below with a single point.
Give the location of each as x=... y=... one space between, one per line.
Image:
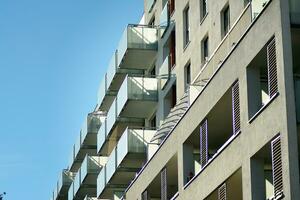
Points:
x=164 y=72
x=164 y=19
x=101 y=136
x=101 y=181
x=63 y=183
x=71 y=192
x=125 y=160
x=87 y=175
x=86 y=142
x=137 y=47
x=136 y=89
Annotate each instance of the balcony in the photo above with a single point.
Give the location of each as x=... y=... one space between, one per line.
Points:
x=105 y=97
x=165 y=183
x=136 y=100
x=137 y=48
x=125 y=161
x=63 y=184
x=85 y=180
x=86 y=142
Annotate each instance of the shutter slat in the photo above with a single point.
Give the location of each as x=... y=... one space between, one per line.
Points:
x=222 y=192
x=272 y=68
x=277 y=166
x=203 y=144
x=163 y=177
x=236 y=121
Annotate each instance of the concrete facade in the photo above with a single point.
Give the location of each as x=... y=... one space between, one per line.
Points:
x=246 y=91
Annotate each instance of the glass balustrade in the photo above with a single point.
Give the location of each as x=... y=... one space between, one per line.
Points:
x=132 y=141
x=101 y=136
x=77 y=145
x=102 y=91
x=164 y=19
x=111 y=165
x=112 y=70
x=136 y=88
x=164 y=72
x=71 y=192
x=136 y=37
x=101 y=181
x=111 y=116
x=77 y=181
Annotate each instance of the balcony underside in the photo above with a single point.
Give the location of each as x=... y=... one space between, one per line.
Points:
x=107 y=100
x=124 y=174
x=138 y=58
x=76 y=164
x=87 y=187
x=138 y=108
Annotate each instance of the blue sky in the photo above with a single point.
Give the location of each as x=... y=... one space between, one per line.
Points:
x=53 y=54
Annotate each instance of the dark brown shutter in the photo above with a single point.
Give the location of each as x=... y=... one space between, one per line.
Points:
x=172 y=48
x=203 y=144
x=272 y=68
x=163 y=179
x=277 y=167
x=236 y=121
x=222 y=192
x=172 y=6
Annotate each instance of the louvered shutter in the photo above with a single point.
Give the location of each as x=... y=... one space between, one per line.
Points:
x=163 y=187
x=272 y=68
x=222 y=192
x=236 y=122
x=145 y=195
x=203 y=144
x=277 y=166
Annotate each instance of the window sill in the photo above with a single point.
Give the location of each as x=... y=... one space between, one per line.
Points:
x=219 y=151
x=263 y=108
x=203 y=18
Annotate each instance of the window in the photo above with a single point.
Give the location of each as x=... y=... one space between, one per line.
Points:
x=187 y=77
x=262 y=83
x=203 y=9
x=266 y=171
x=225 y=14
x=204 y=50
x=186 y=26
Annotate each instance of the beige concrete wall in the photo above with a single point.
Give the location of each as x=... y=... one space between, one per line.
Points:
x=277 y=117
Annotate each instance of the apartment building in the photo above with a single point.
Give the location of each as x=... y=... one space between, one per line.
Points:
x=201 y=100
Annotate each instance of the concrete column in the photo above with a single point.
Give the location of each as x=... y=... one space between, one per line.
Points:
x=188 y=161
x=258 y=188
